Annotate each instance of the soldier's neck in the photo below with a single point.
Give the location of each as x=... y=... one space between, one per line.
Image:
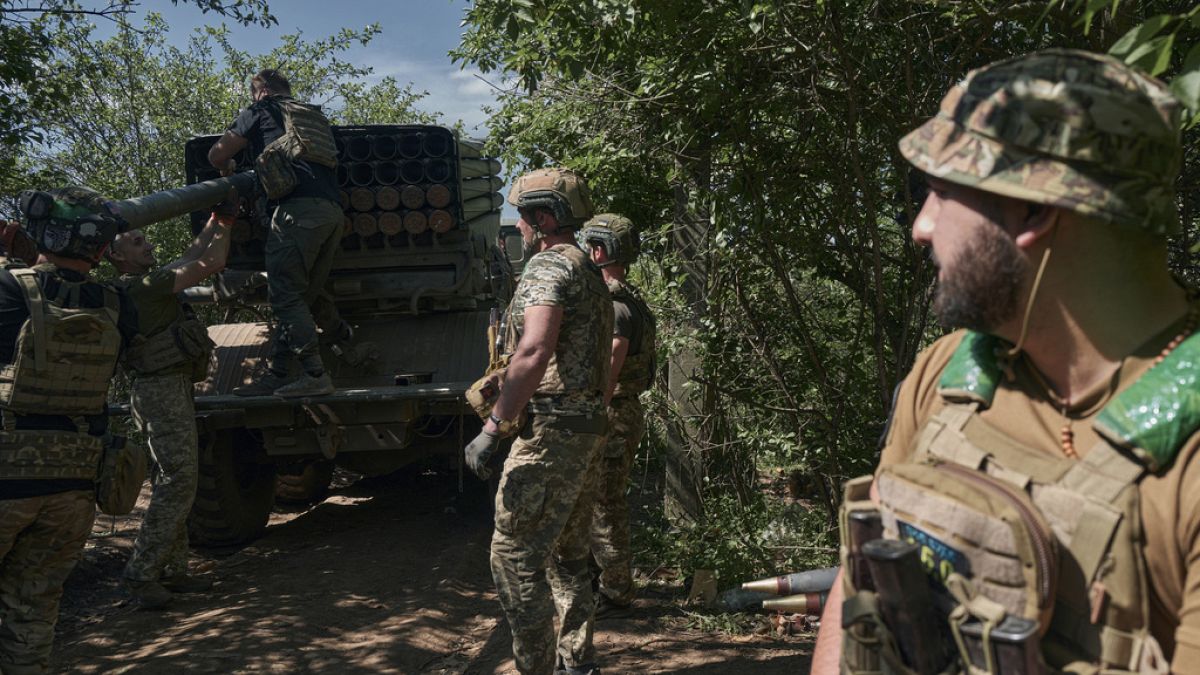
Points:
x=551 y=240
x=1080 y=333
x=613 y=273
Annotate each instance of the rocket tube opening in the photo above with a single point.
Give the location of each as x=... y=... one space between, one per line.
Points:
x=415 y=222
x=435 y=144
x=384 y=147
x=437 y=170
x=362 y=174
x=388 y=198
x=412 y=171
x=343 y=175
x=410 y=146
x=358 y=148
x=390 y=223
x=387 y=173
x=440 y=221
x=362 y=199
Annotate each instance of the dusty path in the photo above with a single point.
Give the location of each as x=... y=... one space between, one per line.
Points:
x=386 y=576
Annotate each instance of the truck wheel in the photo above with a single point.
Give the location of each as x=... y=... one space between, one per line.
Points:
x=235 y=492
x=307 y=487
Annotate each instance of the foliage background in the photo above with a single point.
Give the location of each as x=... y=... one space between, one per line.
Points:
x=755 y=143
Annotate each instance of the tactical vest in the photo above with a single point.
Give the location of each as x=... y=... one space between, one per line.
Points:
x=64 y=359
x=306 y=137
x=637 y=372
x=1011 y=530
x=595 y=301
x=184 y=341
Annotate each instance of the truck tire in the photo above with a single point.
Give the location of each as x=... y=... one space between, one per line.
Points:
x=307 y=487
x=236 y=491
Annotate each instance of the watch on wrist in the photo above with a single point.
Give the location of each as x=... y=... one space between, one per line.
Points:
x=503 y=427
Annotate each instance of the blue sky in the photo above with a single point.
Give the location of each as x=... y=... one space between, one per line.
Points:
x=416 y=36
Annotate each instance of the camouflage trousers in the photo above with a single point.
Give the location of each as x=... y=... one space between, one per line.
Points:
x=305 y=234
x=41 y=539
x=539 y=550
x=610 y=523
x=163 y=409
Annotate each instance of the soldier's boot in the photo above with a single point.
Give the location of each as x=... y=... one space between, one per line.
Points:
x=608 y=608
x=263 y=386
x=149 y=595
x=186 y=583
x=307 y=385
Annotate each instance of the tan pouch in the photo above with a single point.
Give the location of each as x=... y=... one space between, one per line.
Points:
x=122 y=472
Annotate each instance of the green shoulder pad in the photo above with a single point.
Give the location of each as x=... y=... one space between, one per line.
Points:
x=1156 y=415
x=973 y=372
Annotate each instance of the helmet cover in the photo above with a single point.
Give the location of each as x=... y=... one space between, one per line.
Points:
x=616 y=234
x=562 y=191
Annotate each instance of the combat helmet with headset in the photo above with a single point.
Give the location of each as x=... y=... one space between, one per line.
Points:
x=73 y=222
x=560 y=191
x=617 y=235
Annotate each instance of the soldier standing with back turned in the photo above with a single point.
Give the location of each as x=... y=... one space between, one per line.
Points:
x=171 y=355
x=615 y=245
x=61 y=334
x=561 y=315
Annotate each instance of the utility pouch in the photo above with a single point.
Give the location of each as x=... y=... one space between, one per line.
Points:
x=275 y=172
x=122 y=472
x=978 y=528
x=863 y=634
x=484 y=392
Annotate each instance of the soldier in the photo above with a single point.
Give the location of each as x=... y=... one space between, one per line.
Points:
x=1052 y=195
x=557 y=378
x=306 y=228
x=615 y=246
x=60 y=336
x=171 y=354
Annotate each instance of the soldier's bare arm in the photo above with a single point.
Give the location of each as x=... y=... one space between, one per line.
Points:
x=528 y=363
x=222 y=152
x=188 y=273
x=620 y=348
x=827 y=655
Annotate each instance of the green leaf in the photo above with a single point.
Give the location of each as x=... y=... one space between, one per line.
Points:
x=1153 y=56
x=1186 y=88
x=524 y=15
x=1140 y=33
x=1093 y=6
x=1192 y=60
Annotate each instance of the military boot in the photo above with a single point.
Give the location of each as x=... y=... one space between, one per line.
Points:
x=307 y=385
x=186 y=583
x=263 y=386
x=149 y=595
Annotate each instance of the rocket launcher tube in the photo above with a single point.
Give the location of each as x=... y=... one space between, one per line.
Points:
x=812 y=581
x=139 y=212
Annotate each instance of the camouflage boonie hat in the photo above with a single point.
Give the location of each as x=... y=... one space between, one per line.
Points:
x=1060 y=127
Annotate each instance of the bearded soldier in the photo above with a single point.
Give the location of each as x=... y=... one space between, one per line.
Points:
x=171 y=354
x=615 y=245
x=561 y=318
x=1069 y=402
x=60 y=337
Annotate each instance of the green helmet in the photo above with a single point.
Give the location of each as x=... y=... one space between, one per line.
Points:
x=616 y=234
x=72 y=222
x=562 y=191
x=1064 y=128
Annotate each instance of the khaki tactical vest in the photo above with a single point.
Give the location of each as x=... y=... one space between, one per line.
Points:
x=306 y=137
x=184 y=341
x=637 y=372
x=64 y=359
x=1012 y=531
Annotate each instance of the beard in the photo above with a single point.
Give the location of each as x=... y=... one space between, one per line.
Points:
x=983 y=288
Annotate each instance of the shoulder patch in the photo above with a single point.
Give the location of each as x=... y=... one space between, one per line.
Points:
x=1157 y=414
x=973 y=372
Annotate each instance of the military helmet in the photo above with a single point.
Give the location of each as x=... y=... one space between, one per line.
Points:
x=1064 y=128
x=73 y=222
x=616 y=234
x=562 y=191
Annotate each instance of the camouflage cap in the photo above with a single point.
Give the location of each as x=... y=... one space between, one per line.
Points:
x=1060 y=127
x=562 y=188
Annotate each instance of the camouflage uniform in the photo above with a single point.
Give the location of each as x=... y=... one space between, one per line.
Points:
x=545 y=498
x=46 y=535
x=162 y=406
x=165 y=412
x=627 y=424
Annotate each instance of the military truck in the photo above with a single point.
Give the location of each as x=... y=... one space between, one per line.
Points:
x=419 y=277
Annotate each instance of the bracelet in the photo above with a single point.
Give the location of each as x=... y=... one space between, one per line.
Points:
x=495 y=420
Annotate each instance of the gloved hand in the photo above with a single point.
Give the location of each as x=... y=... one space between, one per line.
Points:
x=479 y=451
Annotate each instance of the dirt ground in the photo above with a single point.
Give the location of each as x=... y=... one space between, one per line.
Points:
x=385 y=576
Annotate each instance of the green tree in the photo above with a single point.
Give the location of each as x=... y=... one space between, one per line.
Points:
x=755 y=143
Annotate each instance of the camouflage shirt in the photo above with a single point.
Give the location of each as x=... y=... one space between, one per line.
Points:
x=577 y=375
